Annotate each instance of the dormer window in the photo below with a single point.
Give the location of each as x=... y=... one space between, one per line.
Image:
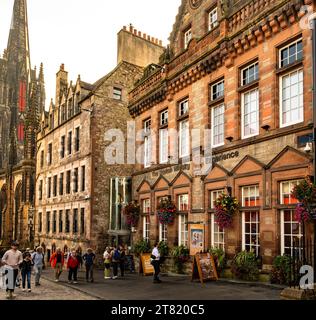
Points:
x=187 y=37
x=212 y=19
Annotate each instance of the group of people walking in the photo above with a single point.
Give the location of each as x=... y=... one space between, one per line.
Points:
x=23 y=264
x=74 y=260
x=114 y=259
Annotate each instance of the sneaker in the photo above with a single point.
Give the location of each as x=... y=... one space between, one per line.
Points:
x=107 y=278
x=56 y=280
x=29 y=290
x=115 y=277
x=75 y=282
x=23 y=290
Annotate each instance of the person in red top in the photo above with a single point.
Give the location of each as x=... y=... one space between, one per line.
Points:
x=72 y=266
x=57 y=263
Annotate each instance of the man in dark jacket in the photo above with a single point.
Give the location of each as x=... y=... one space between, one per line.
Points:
x=89 y=258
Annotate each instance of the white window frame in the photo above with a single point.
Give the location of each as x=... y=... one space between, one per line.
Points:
x=163 y=145
x=183 y=230
x=164 y=117
x=292 y=183
x=147 y=125
x=187 y=38
x=213 y=126
x=212 y=23
x=183 y=199
x=185 y=139
x=301 y=118
x=215 y=195
x=117 y=93
x=215 y=229
x=163 y=232
x=257 y=195
x=283 y=235
x=244 y=136
x=146 y=228
x=242 y=74
x=146 y=206
x=287 y=48
x=184 y=105
x=257 y=234
x=216 y=85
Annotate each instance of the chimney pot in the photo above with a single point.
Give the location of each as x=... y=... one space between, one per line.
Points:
x=124 y=28
x=148 y=38
x=144 y=36
x=131 y=28
x=139 y=33
x=135 y=31
x=160 y=42
x=62 y=67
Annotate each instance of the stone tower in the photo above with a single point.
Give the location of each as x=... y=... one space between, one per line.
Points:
x=22 y=101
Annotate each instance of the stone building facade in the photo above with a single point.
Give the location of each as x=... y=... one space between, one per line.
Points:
x=75 y=183
x=240 y=72
x=22 y=99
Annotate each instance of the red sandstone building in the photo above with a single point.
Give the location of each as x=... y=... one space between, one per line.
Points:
x=243 y=70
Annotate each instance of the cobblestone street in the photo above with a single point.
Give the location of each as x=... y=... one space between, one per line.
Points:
x=49 y=291
x=135 y=287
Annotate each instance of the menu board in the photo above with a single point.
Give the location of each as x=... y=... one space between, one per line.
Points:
x=204 y=268
x=145 y=267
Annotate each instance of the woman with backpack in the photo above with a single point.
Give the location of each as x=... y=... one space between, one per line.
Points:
x=116 y=259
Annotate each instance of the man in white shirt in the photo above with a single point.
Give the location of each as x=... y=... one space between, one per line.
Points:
x=13 y=258
x=155 y=261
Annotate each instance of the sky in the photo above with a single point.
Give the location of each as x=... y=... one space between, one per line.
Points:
x=82 y=34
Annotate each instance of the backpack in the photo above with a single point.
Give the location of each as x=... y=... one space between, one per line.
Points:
x=117 y=255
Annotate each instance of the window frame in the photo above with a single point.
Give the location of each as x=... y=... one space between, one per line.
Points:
x=117 y=96
x=216 y=84
x=163 y=232
x=300 y=120
x=281 y=199
x=212 y=200
x=212 y=24
x=187 y=37
x=146 y=228
x=183 y=230
x=163 y=146
x=248 y=66
x=286 y=47
x=257 y=195
x=250 y=233
x=181 y=197
x=214 y=226
x=222 y=105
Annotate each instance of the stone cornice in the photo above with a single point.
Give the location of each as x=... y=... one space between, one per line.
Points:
x=224 y=53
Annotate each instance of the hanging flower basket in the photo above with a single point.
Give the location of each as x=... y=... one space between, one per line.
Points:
x=132 y=213
x=225 y=208
x=305 y=193
x=166 y=211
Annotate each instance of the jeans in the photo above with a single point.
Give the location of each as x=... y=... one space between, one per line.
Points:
x=38 y=272
x=89 y=272
x=122 y=267
x=115 y=268
x=72 y=274
x=58 y=270
x=156 y=265
x=26 y=275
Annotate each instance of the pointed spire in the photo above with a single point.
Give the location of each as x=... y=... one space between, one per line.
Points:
x=41 y=73
x=18 y=44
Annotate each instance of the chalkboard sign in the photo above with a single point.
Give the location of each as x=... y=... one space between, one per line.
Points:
x=204 y=268
x=145 y=267
x=129 y=263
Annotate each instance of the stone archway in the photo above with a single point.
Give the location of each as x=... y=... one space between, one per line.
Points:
x=3 y=207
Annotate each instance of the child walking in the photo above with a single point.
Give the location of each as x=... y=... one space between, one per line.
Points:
x=26 y=270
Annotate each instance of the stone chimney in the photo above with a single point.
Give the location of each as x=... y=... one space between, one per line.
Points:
x=61 y=83
x=137 y=47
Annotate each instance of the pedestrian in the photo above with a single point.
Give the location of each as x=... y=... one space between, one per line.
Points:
x=12 y=258
x=155 y=261
x=107 y=263
x=38 y=261
x=116 y=258
x=26 y=270
x=57 y=263
x=72 y=266
x=79 y=257
x=88 y=259
x=122 y=260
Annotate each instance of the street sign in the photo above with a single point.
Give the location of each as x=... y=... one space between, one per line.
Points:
x=6 y=278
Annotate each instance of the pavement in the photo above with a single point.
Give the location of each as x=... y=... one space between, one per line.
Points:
x=48 y=290
x=138 y=287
